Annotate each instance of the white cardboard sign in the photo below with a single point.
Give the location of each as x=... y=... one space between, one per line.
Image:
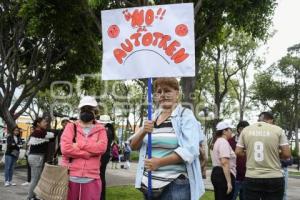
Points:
x=152 y=41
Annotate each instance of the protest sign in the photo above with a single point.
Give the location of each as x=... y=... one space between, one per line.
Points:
x=151 y=41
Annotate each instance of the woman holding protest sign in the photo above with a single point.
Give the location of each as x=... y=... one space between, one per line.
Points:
x=174 y=164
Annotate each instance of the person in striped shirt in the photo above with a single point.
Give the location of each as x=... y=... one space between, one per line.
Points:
x=175 y=141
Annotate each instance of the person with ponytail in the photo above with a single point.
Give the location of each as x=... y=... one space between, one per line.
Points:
x=224 y=163
x=38 y=143
x=82 y=145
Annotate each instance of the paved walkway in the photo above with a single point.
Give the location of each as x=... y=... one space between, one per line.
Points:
x=114 y=177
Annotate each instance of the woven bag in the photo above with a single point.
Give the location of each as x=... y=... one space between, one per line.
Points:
x=53 y=184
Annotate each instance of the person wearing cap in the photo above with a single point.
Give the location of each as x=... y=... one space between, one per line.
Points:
x=264 y=144
x=224 y=163
x=240 y=163
x=82 y=145
x=110 y=133
x=176 y=135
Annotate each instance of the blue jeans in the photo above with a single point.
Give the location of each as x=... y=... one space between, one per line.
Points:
x=179 y=189
x=286 y=177
x=10 y=162
x=238 y=190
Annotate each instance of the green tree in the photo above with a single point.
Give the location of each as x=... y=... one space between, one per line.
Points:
x=251 y=17
x=220 y=58
x=42 y=41
x=278 y=88
x=245 y=57
x=211 y=16
x=290 y=67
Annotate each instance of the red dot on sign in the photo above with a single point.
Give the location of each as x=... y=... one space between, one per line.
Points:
x=113 y=31
x=181 y=30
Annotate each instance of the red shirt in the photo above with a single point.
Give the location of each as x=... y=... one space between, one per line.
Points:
x=240 y=161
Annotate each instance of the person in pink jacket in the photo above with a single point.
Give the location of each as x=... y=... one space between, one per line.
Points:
x=82 y=153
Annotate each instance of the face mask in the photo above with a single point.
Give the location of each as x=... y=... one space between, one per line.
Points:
x=87 y=116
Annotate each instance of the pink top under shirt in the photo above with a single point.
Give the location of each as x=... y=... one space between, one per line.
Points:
x=222 y=149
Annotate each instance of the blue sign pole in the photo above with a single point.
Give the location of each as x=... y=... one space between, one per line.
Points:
x=149 y=136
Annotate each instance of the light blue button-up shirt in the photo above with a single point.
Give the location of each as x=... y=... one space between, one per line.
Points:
x=189 y=134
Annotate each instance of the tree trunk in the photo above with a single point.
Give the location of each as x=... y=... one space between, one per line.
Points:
x=243 y=95
x=143 y=106
x=188 y=85
x=217 y=99
x=8 y=119
x=296 y=102
x=188 y=88
x=217 y=95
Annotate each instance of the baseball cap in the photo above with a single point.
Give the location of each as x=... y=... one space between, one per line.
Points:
x=105 y=119
x=87 y=101
x=223 y=125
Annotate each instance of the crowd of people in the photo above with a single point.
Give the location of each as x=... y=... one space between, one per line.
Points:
x=248 y=165
x=86 y=153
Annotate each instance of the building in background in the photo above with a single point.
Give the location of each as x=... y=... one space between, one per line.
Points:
x=25 y=123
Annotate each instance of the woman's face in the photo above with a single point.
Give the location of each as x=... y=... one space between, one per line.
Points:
x=16 y=131
x=87 y=114
x=166 y=96
x=228 y=133
x=43 y=124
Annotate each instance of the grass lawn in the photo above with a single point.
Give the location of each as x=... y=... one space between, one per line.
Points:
x=294 y=173
x=130 y=193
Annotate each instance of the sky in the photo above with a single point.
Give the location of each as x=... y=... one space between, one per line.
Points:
x=286 y=23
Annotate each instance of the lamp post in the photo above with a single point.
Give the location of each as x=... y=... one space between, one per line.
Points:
x=204 y=113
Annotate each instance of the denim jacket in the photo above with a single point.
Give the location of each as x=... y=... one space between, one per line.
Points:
x=189 y=134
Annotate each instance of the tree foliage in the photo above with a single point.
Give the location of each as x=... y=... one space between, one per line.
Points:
x=42 y=41
x=279 y=89
x=250 y=16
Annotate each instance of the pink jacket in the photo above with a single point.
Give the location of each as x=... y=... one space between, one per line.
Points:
x=86 y=152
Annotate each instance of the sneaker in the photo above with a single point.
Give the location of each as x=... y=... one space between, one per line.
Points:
x=26 y=183
x=6 y=184
x=13 y=184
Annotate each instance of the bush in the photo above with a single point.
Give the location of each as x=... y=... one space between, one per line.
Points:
x=294 y=153
x=134 y=156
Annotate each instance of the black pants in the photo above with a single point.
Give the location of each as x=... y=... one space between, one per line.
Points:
x=104 y=161
x=264 y=188
x=220 y=184
x=28 y=170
